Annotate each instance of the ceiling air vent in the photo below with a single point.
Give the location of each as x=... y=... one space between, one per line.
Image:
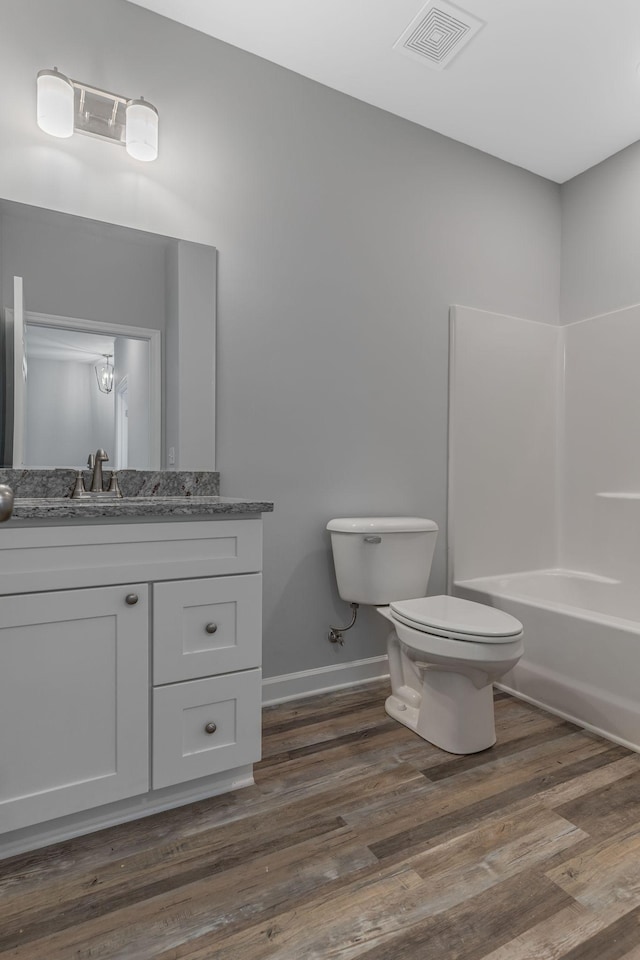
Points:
x=438 y=34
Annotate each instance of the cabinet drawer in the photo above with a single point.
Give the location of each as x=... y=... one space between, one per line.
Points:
x=205 y=726
x=58 y=558
x=205 y=627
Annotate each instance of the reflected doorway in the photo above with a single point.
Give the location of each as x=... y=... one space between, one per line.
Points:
x=122 y=424
x=69 y=410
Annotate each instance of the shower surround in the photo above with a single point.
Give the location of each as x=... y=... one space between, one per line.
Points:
x=544 y=503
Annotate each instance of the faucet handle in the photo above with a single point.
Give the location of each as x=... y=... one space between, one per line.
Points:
x=79 y=489
x=114 y=486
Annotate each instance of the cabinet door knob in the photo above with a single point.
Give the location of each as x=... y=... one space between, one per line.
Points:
x=211 y=627
x=210 y=727
x=131 y=599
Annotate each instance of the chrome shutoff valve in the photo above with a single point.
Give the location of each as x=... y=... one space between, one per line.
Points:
x=336 y=633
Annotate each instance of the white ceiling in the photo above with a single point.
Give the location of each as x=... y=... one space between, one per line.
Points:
x=52 y=343
x=549 y=85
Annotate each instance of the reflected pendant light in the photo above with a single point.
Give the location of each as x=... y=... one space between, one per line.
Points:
x=55 y=103
x=104 y=374
x=141 y=137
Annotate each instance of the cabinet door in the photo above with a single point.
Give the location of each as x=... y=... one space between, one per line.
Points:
x=74 y=701
x=205 y=726
x=205 y=627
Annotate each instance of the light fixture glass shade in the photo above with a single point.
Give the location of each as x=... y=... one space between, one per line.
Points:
x=142 y=130
x=104 y=374
x=55 y=108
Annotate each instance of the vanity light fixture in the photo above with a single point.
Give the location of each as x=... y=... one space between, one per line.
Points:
x=68 y=106
x=141 y=130
x=104 y=374
x=55 y=103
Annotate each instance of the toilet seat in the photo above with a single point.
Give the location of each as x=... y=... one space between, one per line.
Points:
x=457 y=619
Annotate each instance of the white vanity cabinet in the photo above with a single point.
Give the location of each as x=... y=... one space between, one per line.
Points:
x=130 y=676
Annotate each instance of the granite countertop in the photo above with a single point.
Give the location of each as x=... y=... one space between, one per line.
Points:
x=46 y=495
x=54 y=508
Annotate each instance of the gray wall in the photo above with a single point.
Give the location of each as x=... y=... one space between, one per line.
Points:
x=131 y=359
x=61 y=391
x=78 y=269
x=344 y=234
x=601 y=237
x=190 y=355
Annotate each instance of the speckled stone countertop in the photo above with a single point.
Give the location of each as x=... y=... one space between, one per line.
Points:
x=59 y=483
x=46 y=495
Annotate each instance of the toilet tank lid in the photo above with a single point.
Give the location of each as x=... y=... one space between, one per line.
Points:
x=381 y=525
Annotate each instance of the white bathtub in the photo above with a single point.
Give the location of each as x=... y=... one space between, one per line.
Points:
x=581 y=646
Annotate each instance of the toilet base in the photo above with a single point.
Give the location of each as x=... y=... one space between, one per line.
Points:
x=402 y=712
x=451 y=713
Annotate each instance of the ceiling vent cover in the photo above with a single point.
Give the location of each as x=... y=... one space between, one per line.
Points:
x=438 y=34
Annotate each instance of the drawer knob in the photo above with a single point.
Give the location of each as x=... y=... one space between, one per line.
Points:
x=131 y=599
x=211 y=627
x=210 y=727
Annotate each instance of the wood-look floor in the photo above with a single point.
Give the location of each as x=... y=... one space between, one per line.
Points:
x=359 y=840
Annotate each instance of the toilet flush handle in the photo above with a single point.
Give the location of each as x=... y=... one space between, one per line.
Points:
x=372 y=539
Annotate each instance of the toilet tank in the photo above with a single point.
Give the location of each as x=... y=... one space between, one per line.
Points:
x=380 y=559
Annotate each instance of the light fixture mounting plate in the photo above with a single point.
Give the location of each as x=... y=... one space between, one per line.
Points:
x=99 y=113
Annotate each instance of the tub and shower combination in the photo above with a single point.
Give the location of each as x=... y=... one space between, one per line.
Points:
x=544 y=479
x=582 y=646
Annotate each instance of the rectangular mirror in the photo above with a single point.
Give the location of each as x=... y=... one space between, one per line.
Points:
x=108 y=340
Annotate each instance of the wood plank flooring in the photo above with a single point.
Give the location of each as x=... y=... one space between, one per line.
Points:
x=359 y=840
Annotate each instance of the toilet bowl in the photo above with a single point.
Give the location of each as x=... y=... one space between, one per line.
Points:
x=444 y=655
x=444 y=652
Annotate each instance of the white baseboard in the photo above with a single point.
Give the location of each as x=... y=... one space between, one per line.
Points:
x=291 y=686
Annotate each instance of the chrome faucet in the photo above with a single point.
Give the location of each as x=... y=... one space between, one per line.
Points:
x=94 y=463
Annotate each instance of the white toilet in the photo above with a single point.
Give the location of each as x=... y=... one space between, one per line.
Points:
x=444 y=652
